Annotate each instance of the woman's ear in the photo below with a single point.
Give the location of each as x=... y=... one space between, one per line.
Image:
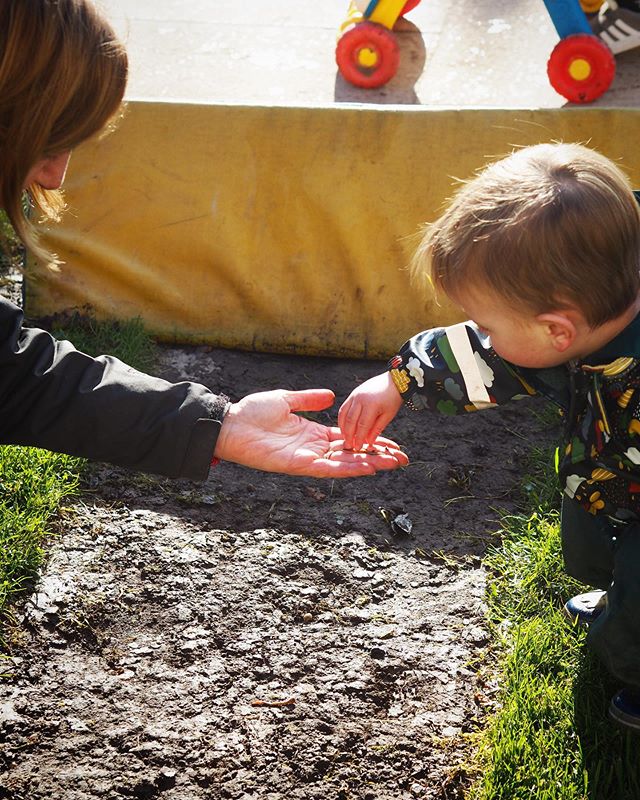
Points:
x=560 y=329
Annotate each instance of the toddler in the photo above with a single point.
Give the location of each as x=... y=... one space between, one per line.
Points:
x=542 y=252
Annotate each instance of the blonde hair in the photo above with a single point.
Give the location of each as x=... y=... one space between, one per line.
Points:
x=548 y=226
x=63 y=74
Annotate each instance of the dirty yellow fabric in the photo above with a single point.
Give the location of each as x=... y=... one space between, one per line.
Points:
x=280 y=229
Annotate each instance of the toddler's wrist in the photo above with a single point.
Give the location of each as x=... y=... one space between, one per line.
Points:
x=398 y=374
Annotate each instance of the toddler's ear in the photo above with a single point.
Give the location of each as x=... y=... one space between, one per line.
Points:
x=560 y=329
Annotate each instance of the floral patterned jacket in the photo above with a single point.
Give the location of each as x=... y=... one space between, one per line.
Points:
x=455 y=369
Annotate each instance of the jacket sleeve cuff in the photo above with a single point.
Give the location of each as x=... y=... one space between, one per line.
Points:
x=200 y=449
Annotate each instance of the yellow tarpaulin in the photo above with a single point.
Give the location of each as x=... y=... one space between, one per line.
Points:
x=280 y=229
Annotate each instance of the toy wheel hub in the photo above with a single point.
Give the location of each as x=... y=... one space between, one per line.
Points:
x=367 y=57
x=580 y=69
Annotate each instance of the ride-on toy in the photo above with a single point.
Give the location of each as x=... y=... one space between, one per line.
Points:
x=580 y=68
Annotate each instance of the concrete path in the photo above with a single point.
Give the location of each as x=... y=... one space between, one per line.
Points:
x=455 y=53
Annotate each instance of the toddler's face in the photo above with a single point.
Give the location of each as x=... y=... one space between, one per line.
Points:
x=516 y=336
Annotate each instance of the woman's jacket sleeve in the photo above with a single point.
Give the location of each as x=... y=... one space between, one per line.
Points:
x=55 y=397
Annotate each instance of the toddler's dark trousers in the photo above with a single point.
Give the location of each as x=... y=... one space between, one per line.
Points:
x=607 y=556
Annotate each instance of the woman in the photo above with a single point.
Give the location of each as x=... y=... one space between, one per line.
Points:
x=62 y=79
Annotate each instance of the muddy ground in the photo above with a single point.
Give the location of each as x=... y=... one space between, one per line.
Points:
x=260 y=636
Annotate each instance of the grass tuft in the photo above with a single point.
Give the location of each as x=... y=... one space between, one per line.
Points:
x=128 y=339
x=550 y=738
x=32 y=484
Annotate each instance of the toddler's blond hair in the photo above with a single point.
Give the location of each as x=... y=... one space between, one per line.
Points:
x=547 y=227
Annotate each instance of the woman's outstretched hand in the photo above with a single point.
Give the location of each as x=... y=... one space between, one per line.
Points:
x=263 y=431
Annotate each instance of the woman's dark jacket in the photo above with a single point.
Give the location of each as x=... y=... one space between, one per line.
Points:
x=55 y=397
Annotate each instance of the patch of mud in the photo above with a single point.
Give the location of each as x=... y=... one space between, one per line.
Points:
x=260 y=636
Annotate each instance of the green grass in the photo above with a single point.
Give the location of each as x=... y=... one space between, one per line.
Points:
x=32 y=485
x=551 y=738
x=127 y=340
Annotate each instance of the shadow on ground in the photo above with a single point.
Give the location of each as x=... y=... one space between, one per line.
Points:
x=260 y=636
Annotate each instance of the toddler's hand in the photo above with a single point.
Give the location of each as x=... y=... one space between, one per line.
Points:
x=368 y=410
x=265 y=431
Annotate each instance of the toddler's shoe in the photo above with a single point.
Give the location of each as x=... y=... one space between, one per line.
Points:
x=619 y=28
x=625 y=708
x=586 y=608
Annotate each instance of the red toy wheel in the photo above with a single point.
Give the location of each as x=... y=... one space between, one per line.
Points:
x=367 y=55
x=408 y=6
x=581 y=67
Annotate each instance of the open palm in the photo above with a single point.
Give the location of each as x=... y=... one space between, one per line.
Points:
x=264 y=431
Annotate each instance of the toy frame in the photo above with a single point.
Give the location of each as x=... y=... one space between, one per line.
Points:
x=581 y=66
